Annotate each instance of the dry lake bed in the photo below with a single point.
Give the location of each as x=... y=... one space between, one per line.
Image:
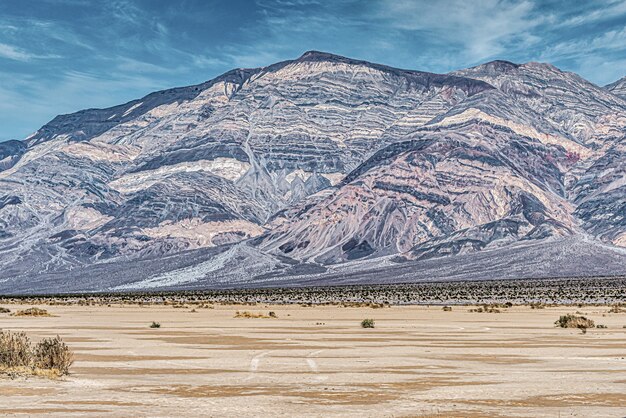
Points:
x=318 y=361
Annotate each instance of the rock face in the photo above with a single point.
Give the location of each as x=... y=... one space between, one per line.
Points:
x=312 y=163
x=10 y=152
x=618 y=88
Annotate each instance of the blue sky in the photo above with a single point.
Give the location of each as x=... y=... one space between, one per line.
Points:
x=59 y=56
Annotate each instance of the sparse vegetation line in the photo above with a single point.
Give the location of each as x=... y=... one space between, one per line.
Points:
x=537 y=293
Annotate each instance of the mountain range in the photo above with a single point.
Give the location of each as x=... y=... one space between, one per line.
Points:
x=322 y=170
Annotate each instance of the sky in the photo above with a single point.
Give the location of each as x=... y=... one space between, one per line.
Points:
x=60 y=56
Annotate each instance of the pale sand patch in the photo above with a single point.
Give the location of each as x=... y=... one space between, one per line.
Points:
x=202 y=233
x=51 y=411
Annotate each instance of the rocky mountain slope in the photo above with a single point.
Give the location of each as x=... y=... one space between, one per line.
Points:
x=318 y=162
x=618 y=87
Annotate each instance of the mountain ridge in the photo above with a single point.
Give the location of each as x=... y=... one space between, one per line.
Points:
x=319 y=161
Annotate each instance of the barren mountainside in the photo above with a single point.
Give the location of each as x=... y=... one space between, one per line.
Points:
x=618 y=87
x=321 y=167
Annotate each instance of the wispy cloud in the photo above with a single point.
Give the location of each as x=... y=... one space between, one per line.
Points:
x=611 y=40
x=479 y=29
x=14 y=53
x=588 y=12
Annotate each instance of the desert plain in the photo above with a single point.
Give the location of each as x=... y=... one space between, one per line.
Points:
x=319 y=361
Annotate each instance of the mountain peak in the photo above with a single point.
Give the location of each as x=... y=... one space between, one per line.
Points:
x=617 y=82
x=504 y=64
x=617 y=87
x=321 y=56
x=496 y=66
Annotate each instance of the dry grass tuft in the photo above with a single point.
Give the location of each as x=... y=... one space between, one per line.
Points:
x=32 y=312
x=53 y=354
x=447 y=309
x=15 y=349
x=51 y=357
x=247 y=314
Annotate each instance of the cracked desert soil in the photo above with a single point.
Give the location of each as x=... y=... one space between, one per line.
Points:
x=318 y=361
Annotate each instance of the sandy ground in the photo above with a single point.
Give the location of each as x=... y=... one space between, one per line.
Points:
x=418 y=361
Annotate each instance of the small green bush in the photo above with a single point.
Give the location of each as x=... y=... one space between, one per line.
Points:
x=367 y=323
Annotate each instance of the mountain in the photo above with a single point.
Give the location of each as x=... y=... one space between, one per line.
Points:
x=618 y=87
x=313 y=166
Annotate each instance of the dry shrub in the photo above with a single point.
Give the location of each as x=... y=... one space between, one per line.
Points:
x=49 y=358
x=4 y=310
x=614 y=309
x=574 y=321
x=32 y=312
x=447 y=308
x=367 y=323
x=15 y=350
x=53 y=354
